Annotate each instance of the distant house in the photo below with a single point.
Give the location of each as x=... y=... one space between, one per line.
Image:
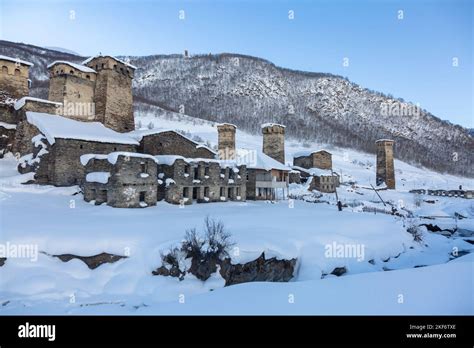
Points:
x=169 y=142
x=324 y=180
x=267 y=179
x=321 y=159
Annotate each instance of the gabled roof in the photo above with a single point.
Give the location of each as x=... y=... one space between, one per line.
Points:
x=255 y=159
x=15 y=60
x=107 y=56
x=54 y=126
x=305 y=153
x=79 y=67
x=138 y=134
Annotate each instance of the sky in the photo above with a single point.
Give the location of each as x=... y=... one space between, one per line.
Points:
x=420 y=50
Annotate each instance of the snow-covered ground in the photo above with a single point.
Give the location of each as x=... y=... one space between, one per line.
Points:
x=383 y=278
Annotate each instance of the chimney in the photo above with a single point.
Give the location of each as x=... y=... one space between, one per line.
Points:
x=226 y=135
x=274 y=141
x=385 y=168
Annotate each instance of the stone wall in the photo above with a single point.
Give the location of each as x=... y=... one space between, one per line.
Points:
x=173 y=143
x=202 y=182
x=322 y=160
x=324 y=183
x=14 y=78
x=303 y=161
x=385 y=171
x=274 y=142
x=65 y=168
x=113 y=94
x=226 y=141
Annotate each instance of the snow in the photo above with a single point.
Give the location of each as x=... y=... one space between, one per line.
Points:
x=143 y=205
x=144 y=175
x=265 y=125
x=305 y=153
x=226 y=124
x=87 y=157
x=169 y=182
x=54 y=126
x=256 y=159
x=302 y=230
x=100 y=177
x=21 y=102
x=15 y=60
x=118 y=60
x=7 y=125
x=74 y=65
x=113 y=156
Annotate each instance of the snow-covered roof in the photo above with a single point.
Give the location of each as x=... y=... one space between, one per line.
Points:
x=113 y=156
x=170 y=159
x=15 y=60
x=21 y=102
x=319 y=172
x=226 y=124
x=118 y=60
x=308 y=153
x=79 y=67
x=300 y=169
x=138 y=134
x=265 y=125
x=254 y=159
x=380 y=140
x=54 y=126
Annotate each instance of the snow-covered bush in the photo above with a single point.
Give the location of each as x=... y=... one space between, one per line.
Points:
x=414 y=230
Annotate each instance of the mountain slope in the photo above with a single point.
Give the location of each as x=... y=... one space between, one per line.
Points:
x=249 y=91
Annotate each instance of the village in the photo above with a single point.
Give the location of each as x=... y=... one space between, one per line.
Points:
x=85 y=135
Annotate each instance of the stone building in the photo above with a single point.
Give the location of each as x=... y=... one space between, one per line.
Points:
x=113 y=92
x=385 y=172
x=120 y=179
x=267 y=179
x=186 y=180
x=169 y=142
x=299 y=175
x=14 y=76
x=226 y=141
x=73 y=85
x=274 y=141
x=324 y=181
x=321 y=159
x=14 y=84
x=58 y=143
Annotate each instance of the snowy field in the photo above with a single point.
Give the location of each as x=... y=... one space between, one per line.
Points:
x=394 y=275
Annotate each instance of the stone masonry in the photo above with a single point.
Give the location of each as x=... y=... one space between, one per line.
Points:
x=226 y=141
x=274 y=141
x=385 y=166
x=14 y=77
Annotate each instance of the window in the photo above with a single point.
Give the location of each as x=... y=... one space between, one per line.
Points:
x=115 y=66
x=206 y=191
x=143 y=167
x=185 y=192
x=17 y=72
x=206 y=171
x=195 y=192
x=4 y=70
x=196 y=173
x=81 y=146
x=103 y=66
x=222 y=192
x=71 y=72
x=115 y=149
x=230 y=190
x=88 y=77
x=237 y=191
x=142 y=196
x=187 y=169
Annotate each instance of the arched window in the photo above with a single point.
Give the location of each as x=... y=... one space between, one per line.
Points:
x=17 y=72
x=4 y=70
x=88 y=77
x=115 y=66
x=71 y=72
x=103 y=65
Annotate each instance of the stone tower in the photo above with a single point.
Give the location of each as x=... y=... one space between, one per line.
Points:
x=385 y=166
x=113 y=92
x=274 y=141
x=226 y=134
x=14 y=77
x=73 y=85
